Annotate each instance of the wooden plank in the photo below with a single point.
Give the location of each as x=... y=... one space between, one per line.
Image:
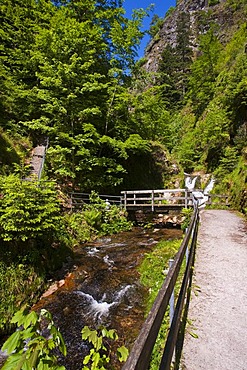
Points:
x=155 y=191
x=156 y=206
x=156 y=198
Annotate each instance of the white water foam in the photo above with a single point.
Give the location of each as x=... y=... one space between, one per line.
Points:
x=98 y=309
x=210 y=186
x=190 y=183
x=101 y=308
x=119 y=295
x=201 y=197
x=92 y=251
x=107 y=260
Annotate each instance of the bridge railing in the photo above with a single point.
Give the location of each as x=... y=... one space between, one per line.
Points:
x=78 y=200
x=156 y=198
x=140 y=355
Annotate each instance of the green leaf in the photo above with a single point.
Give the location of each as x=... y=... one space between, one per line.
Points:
x=30 y=319
x=12 y=362
x=194 y=335
x=122 y=353
x=18 y=317
x=13 y=342
x=86 y=359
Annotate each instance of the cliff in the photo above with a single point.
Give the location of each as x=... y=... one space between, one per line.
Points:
x=225 y=14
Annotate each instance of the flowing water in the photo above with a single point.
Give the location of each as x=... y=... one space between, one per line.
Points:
x=103 y=288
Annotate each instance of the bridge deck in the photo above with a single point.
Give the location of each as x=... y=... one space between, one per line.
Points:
x=218 y=309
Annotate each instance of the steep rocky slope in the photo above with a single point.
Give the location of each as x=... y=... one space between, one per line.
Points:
x=227 y=14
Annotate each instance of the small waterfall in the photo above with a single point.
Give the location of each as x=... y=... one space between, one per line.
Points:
x=97 y=309
x=190 y=183
x=101 y=308
x=210 y=186
x=201 y=197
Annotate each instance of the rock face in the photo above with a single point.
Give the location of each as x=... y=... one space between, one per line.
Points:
x=221 y=13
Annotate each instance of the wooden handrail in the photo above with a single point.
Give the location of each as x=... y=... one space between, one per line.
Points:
x=140 y=354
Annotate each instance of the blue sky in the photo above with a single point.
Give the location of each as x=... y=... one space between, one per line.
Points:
x=161 y=7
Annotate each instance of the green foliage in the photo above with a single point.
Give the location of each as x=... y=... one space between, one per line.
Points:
x=96 y=219
x=8 y=153
x=28 y=348
x=174 y=66
x=150 y=119
x=237 y=182
x=213 y=2
x=32 y=345
x=27 y=210
x=236 y=4
x=100 y=354
x=65 y=73
x=227 y=163
x=154 y=267
x=170 y=11
x=153 y=271
x=233 y=181
x=155 y=25
x=187 y=214
x=204 y=72
x=19 y=284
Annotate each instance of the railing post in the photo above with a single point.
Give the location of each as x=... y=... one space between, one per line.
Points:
x=186 y=198
x=71 y=201
x=125 y=200
x=134 y=198
x=187 y=250
x=171 y=301
x=152 y=200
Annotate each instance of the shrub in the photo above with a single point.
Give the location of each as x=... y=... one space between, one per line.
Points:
x=28 y=210
x=96 y=219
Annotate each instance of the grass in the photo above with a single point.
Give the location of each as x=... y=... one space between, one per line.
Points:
x=153 y=271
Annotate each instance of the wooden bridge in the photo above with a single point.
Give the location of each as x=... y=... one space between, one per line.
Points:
x=168 y=199
x=160 y=200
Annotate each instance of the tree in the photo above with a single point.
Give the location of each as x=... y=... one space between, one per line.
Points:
x=65 y=74
x=183 y=51
x=204 y=72
x=174 y=66
x=168 y=68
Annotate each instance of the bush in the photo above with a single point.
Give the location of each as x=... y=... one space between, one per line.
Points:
x=28 y=348
x=28 y=210
x=96 y=219
x=19 y=284
x=32 y=345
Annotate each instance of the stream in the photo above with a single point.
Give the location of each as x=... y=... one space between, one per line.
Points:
x=103 y=288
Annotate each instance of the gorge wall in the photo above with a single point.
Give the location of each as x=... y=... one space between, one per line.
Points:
x=202 y=13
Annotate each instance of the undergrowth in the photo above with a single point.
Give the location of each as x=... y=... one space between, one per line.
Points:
x=153 y=270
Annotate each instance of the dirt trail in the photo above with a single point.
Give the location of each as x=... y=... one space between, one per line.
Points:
x=216 y=336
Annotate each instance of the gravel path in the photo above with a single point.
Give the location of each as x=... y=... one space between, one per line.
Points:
x=216 y=334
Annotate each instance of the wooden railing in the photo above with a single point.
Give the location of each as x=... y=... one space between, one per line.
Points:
x=139 y=358
x=149 y=199
x=156 y=198
x=77 y=200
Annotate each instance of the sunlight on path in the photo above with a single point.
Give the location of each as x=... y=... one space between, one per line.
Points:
x=216 y=337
